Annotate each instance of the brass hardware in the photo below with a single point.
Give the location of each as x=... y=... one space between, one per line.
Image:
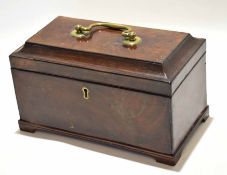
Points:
x=85 y=93
x=129 y=37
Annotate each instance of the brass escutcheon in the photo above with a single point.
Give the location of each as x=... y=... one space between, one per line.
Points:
x=85 y=93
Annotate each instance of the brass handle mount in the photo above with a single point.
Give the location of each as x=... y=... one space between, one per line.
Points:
x=129 y=37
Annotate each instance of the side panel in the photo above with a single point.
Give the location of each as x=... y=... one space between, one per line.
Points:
x=119 y=115
x=188 y=101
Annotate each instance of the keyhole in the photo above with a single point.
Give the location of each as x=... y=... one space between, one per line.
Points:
x=85 y=93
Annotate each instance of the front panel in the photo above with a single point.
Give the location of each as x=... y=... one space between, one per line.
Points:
x=119 y=115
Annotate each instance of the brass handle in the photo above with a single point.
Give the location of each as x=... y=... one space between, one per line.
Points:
x=129 y=37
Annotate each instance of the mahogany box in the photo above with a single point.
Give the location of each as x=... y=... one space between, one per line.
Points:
x=135 y=88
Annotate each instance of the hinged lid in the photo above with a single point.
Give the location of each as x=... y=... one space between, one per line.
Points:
x=161 y=57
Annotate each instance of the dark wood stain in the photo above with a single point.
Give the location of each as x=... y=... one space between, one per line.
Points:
x=138 y=98
x=108 y=42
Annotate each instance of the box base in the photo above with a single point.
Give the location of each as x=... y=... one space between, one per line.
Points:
x=159 y=157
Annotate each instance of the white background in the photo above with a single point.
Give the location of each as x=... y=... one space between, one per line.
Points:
x=42 y=153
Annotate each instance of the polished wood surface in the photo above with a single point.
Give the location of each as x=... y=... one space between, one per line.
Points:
x=169 y=159
x=156 y=44
x=145 y=76
x=161 y=77
x=148 y=99
x=110 y=113
x=190 y=100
